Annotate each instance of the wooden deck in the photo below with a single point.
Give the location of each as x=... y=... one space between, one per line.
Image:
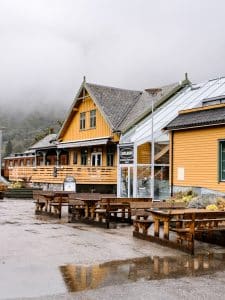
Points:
x=83 y=174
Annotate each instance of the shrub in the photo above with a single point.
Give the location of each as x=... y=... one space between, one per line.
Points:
x=201 y=201
x=211 y=207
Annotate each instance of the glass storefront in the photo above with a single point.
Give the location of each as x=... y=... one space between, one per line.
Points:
x=143 y=186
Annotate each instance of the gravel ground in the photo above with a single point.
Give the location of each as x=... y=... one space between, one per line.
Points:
x=37 y=252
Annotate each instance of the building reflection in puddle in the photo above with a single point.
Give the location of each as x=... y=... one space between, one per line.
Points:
x=81 y=277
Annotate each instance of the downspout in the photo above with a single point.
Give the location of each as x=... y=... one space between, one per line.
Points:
x=171 y=164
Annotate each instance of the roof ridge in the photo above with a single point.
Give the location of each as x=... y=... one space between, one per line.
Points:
x=112 y=87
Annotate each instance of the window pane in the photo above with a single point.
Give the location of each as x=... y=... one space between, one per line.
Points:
x=99 y=159
x=82 y=120
x=93 y=160
x=84 y=156
x=74 y=157
x=93 y=118
x=222 y=160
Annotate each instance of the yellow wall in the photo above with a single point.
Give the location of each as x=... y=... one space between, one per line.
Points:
x=196 y=151
x=74 y=132
x=144 y=154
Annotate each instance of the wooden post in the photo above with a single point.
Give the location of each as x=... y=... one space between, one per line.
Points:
x=156 y=227
x=60 y=206
x=156 y=266
x=166 y=229
x=86 y=210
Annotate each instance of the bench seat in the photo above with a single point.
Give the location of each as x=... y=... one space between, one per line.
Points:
x=142 y=225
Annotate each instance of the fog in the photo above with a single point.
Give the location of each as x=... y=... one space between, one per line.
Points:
x=47 y=46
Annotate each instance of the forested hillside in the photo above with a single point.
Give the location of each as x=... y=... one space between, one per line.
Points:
x=22 y=129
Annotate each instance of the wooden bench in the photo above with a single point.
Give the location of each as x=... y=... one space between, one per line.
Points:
x=142 y=219
x=115 y=209
x=192 y=226
x=76 y=210
x=42 y=200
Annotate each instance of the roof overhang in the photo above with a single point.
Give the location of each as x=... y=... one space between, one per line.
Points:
x=193 y=126
x=85 y=143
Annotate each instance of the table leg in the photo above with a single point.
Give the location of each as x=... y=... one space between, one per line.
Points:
x=60 y=210
x=86 y=211
x=46 y=205
x=156 y=227
x=92 y=210
x=166 y=230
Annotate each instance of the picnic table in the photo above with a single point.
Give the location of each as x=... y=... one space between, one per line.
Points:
x=113 y=211
x=46 y=200
x=82 y=206
x=186 y=223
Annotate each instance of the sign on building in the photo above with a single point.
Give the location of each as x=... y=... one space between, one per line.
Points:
x=126 y=154
x=69 y=184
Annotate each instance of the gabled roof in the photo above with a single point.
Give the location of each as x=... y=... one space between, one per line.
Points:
x=144 y=104
x=198 y=118
x=46 y=142
x=121 y=108
x=114 y=103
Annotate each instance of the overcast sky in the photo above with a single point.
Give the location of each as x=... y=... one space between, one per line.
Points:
x=47 y=46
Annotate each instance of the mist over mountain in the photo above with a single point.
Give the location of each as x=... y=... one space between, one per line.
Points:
x=23 y=126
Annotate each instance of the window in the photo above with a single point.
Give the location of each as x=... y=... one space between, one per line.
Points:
x=96 y=159
x=82 y=120
x=222 y=161
x=93 y=118
x=75 y=157
x=110 y=157
x=84 y=156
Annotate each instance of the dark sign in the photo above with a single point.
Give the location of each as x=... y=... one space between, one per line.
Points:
x=126 y=154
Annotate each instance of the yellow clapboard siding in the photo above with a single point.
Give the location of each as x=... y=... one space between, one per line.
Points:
x=73 y=132
x=197 y=151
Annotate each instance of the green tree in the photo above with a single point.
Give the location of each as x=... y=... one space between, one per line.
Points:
x=8 y=148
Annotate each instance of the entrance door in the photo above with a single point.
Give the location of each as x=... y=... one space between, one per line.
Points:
x=126 y=181
x=96 y=159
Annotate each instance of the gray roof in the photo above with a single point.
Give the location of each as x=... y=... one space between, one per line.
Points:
x=213 y=116
x=114 y=103
x=46 y=142
x=144 y=104
x=121 y=108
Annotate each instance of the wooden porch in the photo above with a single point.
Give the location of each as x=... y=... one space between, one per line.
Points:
x=52 y=174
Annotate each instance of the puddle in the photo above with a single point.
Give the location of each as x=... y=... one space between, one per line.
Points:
x=83 y=277
x=10 y=223
x=80 y=228
x=31 y=254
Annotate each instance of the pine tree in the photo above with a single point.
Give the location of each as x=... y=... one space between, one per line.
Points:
x=8 y=148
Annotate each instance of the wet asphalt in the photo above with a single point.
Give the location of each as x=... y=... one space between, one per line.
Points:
x=47 y=258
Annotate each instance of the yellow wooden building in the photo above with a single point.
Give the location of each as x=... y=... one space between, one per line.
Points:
x=86 y=146
x=197 y=148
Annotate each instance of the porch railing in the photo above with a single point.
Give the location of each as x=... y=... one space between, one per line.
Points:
x=48 y=174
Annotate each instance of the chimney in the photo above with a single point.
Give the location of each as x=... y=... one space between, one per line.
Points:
x=153 y=91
